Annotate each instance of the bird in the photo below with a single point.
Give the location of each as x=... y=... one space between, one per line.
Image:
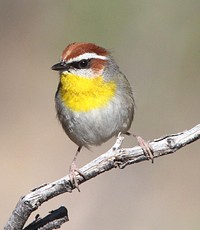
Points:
x=94 y=100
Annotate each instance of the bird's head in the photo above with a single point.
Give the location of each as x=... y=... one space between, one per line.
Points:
x=84 y=60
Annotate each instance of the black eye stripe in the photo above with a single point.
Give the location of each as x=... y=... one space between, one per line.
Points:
x=82 y=64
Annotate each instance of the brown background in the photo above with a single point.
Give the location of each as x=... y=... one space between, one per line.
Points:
x=156 y=44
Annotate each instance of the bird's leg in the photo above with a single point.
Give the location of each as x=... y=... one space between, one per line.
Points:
x=73 y=170
x=148 y=151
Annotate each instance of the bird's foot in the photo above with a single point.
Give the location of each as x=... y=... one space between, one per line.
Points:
x=73 y=172
x=147 y=149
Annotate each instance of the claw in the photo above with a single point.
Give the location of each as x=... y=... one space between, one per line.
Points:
x=148 y=151
x=74 y=171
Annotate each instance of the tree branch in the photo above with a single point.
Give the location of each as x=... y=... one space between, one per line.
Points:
x=52 y=221
x=115 y=157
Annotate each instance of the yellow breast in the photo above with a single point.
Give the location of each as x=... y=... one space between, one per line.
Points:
x=84 y=94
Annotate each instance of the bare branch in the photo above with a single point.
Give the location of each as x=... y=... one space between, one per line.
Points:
x=115 y=157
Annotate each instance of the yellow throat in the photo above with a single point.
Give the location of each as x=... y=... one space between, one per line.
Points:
x=84 y=94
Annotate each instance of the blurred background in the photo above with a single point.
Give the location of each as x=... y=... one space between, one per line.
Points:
x=157 y=46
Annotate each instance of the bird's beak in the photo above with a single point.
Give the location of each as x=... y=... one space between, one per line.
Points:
x=61 y=66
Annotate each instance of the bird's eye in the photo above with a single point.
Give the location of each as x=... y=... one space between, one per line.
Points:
x=83 y=64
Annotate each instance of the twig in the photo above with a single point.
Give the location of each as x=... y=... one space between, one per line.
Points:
x=115 y=157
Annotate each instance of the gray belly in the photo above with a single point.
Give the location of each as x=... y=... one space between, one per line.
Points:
x=98 y=125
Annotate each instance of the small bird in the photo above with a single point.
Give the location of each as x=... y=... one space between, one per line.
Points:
x=94 y=100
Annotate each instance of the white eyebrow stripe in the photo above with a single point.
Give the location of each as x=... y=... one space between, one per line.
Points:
x=87 y=56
